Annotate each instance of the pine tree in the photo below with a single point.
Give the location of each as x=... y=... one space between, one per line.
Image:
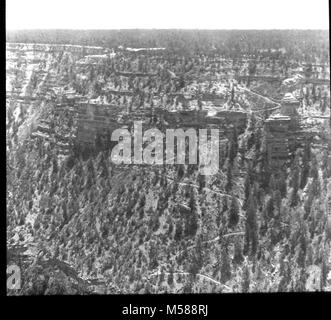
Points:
x=282 y=187
x=316 y=187
x=202 y=182
x=324 y=271
x=229 y=182
x=171 y=278
x=247 y=187
x=102 y=166
x=224 y=206
x=302 y=245
x=197 y=261
x=277 y=201
x=180 y=171
x=251 y=236
x=179 y=231
x=188 y=287
x=191 y=224
x=89 y=175
x=295 y=182
x=246 y=279
x=233 y=146
x=242 y=154
x=55 y=168
x=265 y=170
x=314 y=168
x=234 y=213
x=272 y=183
x=153 y=253
x=306 y=167
x=238 y=256
x=270 y=207
x=225 y=265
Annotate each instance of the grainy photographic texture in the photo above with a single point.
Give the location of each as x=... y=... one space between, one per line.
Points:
x=167 y=146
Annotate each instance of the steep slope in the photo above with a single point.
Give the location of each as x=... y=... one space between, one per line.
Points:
x=79 y=224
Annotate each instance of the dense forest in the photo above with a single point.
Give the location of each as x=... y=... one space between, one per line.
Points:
x=79 y=224
x=270 y=234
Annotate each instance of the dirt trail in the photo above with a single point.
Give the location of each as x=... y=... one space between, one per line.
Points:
x=203 y=276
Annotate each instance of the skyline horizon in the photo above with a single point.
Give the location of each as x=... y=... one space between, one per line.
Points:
x=161 y=29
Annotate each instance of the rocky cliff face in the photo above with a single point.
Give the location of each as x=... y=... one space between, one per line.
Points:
x=37 y=76
x=53 y=92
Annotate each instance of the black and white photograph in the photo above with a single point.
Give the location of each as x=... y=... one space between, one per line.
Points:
x=167 y=147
